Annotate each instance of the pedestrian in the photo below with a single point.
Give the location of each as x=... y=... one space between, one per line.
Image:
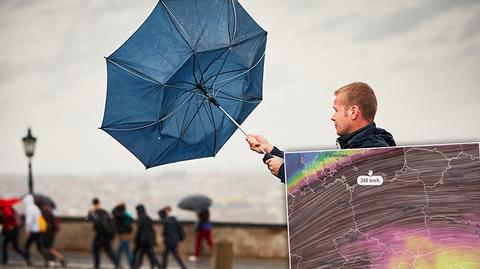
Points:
x=355 y=107
x=10 y=228
x=172 y=235
x=145 y=239
x=123 y=223
x=50 y=233
x=204 y=231
x=34 y=225
x=104 y=233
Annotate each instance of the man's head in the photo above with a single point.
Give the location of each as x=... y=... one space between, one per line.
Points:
x=96 y=202
x=355 y=106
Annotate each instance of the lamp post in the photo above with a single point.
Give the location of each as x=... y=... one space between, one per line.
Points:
x=29 y=144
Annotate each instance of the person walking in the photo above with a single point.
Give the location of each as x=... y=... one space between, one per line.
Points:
x=145 y=239
x=10 y=228
x=172 y=235
x=104 y=233
x=34 y=223
x=123 y=223
x=204 y=231
x=50 y=233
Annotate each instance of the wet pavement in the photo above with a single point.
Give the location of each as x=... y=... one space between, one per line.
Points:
x=84 y=260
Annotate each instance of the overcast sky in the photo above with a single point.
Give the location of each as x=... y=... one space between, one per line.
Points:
x=421 y=57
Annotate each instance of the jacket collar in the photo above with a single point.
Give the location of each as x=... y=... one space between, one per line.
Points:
x=344 y=141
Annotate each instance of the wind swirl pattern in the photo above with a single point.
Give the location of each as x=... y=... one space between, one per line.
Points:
x=401 y=207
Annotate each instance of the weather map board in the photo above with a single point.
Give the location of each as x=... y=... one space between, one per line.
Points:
x=397 y=207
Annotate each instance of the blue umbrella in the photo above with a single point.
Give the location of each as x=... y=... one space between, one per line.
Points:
x=181 y=85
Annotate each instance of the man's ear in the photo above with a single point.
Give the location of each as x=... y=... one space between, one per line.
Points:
x=354 y=112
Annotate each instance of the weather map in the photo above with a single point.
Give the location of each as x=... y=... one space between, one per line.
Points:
x=398 y=207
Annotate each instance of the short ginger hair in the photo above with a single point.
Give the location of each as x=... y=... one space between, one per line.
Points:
x=361 y=95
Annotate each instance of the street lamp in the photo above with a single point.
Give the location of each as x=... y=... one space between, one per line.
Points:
x=29 y=144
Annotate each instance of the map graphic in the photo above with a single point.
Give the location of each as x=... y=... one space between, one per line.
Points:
x=398 y=207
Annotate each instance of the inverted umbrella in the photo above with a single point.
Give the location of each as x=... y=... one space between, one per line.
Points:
x=181 y=85
x=195 y=202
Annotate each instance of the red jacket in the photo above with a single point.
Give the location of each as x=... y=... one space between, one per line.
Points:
x=9 y=216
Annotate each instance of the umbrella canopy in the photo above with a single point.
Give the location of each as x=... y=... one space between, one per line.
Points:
x=41 y=199
x=195 y=202
x=179 y=87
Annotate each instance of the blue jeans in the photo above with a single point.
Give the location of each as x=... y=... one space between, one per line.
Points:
x=124 y=247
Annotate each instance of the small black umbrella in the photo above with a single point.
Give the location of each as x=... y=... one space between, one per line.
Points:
x=43 y=199
x=195 y=202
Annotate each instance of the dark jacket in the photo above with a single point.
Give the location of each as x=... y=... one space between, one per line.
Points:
x=172 y=232
x=204 y=219
x=123 y=221
x=102 y=224
x=145 y=233
x=367 y=137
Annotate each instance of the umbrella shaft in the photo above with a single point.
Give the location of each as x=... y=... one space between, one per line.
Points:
x=238 y=125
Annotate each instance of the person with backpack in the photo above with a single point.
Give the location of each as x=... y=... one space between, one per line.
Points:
x=145 y=239
x=35 y=225
x=123 y=223
x=10 y=228
x=172 y=235
x=104 y=233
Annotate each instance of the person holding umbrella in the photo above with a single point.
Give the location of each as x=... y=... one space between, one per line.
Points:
x=204 y=231
x=355 y=107
x=200 y=204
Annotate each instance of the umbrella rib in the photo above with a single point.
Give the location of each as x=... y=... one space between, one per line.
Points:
x=221 y=67
x=182 y=133
x=239 y=75
x=215 y=130
x=155 y=122
x=171 y=15
x=212 y=121
x=136 y=73
x=234 y=20
x=178 y=139
x=218 y=57
x=240 y=100
x=236 y=70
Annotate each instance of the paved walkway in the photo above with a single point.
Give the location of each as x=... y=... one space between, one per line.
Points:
x=84 y=260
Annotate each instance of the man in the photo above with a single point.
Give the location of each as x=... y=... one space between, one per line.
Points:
x=355 y=106
x=172 y=235
x=104 y=233
x=145 y=239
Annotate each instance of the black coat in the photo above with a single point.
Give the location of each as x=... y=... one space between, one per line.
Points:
x=172 y=232
x=145 y=234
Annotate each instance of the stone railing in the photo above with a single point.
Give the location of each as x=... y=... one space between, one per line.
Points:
x=263 y=241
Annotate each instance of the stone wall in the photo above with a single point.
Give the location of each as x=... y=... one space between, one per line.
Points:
x=264 y=241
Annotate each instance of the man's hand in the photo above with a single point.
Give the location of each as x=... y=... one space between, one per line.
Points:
x=257 y=141
x=274 y=164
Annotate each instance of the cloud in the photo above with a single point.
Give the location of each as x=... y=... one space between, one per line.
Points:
x=409 y=18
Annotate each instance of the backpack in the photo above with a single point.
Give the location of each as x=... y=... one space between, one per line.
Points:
x=104 y=225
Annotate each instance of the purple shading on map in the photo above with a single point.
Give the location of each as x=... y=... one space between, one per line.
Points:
x=400 y=207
